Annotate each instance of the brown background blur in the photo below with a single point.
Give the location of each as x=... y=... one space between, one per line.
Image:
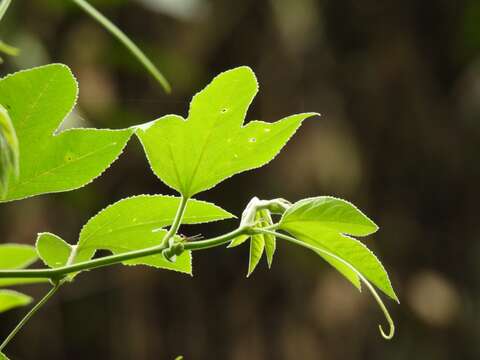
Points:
x=398 y=84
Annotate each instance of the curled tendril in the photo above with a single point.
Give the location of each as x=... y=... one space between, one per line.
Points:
x=391 y=332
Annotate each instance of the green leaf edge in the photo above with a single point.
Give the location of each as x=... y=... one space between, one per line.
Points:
x=300 y=202
x=55 y=133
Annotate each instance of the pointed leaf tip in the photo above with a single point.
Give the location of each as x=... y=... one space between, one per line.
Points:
x=194 y=154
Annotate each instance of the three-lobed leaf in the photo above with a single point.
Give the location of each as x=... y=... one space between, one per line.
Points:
x=194 y=154
x=329 y=213
x=38 y=100
x=130 y=224
x=325 y=223
x=53 y=250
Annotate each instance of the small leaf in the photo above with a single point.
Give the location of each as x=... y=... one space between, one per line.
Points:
x=194 y=154
x=136 y=223
x=322 y=222
x=3 y=356
x=9 y=152
x=16 y=256
x=239 y=240
x=37 y=101
x=257 y=245
x=270 y=240
x=10 y=299
x=53 y=250
x=329 y=213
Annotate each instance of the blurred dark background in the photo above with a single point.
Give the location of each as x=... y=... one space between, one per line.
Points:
x=398 y=84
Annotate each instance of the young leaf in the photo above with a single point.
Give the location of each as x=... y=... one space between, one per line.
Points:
x=53 y=250
x=132 y=224
x=10 y=299
x=329 y=213
x=270 y=240
x=37 y=101
x=9 y=152
x=194 y=154
x=258 y=242
x=257 y=245
x=3 y=356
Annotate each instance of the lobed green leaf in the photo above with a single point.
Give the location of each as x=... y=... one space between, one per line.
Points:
x=53 y=250
x=38 y=100
x=194 y=154
x=258 y=242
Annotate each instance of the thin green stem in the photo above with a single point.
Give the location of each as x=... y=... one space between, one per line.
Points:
x=351 y=267
x=176 y=222
x=29 y=315
x=60 y=272
x=214 y=242
x=125 y=40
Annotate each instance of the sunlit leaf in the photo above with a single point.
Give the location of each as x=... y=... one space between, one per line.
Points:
x=331 y=214
x=16 y=256
x=10 y=299
x=323 y=223
x=53 y=250
x=38 y=100
x=132 y=224
x=194 y=154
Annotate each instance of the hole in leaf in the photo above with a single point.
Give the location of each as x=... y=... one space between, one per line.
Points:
x=224 y=110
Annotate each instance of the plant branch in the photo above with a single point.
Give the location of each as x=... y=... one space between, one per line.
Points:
x=29 y=315
x=351 y=267
x=125 y=40
x=60 y=272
